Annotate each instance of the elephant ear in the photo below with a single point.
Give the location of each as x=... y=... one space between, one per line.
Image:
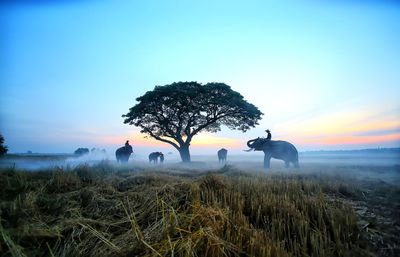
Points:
x=260 y=146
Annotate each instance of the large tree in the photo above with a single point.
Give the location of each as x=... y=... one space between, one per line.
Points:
x=175 y=113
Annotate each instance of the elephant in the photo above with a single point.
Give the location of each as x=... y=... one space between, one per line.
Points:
x=153 y=157
x=275 y=149
x=123 y=153
x=222 y=155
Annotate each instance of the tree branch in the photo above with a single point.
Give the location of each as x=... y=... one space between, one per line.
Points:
x=161 y=139
x=211 y=121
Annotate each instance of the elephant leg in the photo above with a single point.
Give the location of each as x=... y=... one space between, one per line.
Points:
x=296 y=164
x=287 y=164
x=267 y=160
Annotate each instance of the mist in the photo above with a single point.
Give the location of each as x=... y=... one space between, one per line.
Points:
x=378 y=166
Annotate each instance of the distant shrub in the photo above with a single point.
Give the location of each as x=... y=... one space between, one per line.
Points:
x=81 y=151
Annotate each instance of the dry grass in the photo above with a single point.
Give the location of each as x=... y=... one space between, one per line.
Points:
x=109 y=211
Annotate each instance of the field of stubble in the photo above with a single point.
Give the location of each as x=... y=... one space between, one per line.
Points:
x=176 y=210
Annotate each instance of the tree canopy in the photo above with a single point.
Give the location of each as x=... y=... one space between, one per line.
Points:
x=175 y=113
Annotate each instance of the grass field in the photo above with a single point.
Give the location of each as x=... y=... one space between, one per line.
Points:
x=175 y=210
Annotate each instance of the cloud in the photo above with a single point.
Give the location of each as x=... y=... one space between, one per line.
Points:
x=201 y=140
x=341 y=123
x=357 y=127
x=351 y=140
x=209 y=140
x=379 y=132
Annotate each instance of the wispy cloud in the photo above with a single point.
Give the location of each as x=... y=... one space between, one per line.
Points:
x=345 y=127
x=351 y=140
x=199 y=141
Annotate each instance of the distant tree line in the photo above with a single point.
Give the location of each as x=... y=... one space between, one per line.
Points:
x=83 y=151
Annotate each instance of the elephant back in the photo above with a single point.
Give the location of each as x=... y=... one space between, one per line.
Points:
x=122 y=151
x=283 y=148
x=153 y=155
x=222 y=152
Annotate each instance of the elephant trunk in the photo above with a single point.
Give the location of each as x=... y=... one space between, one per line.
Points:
x=250 y=145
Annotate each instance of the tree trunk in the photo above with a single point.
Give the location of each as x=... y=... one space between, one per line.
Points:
x=184 y=152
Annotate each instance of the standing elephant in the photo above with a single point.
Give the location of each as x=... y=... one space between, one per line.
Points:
x=275 y=149
x=123 y=153
x=222 y=155
x=153 y=157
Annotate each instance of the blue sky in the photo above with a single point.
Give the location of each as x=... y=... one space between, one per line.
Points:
x=325 y=73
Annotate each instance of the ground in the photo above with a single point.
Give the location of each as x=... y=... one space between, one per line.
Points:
x=178 y=210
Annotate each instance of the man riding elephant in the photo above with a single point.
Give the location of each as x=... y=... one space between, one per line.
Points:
x=268 y=134
x=275 y=149
x=123 y=153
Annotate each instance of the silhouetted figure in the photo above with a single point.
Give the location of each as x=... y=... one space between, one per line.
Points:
x=127 y=143
x=268 y=134
x=161 y=158
x=264 y=140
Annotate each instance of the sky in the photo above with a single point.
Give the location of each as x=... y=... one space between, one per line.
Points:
x=326 y=74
